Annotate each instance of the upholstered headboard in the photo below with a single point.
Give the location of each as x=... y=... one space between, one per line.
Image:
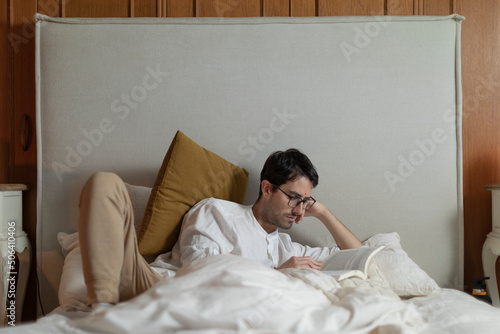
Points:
x=375 y=102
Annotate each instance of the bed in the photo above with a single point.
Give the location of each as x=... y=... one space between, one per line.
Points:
x=375 y=102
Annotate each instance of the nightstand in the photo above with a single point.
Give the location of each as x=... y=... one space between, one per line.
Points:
x=491 y=247
x=15 y=251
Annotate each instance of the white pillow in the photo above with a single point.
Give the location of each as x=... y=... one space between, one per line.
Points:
x=139 y=197
x=72 y=289
x=404 y=276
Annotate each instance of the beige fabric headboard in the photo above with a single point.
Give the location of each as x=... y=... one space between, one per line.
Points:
x=375 y=102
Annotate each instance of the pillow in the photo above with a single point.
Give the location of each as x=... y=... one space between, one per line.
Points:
x=404 y=276
x=139 y=198
x=72 y=292
x=189 y=173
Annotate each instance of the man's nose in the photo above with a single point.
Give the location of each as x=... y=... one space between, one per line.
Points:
x=299 y=208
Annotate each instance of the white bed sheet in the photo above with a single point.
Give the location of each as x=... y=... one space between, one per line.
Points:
x=229 y=294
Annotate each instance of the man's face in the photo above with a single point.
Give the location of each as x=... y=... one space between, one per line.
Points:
x=277 y=212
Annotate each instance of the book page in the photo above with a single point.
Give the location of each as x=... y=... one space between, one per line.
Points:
x=351 y=259
x=340 y=275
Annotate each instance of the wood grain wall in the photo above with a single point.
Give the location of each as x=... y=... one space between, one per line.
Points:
x=480 y=72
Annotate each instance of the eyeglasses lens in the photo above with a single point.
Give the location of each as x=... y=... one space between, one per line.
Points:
x=294 y=202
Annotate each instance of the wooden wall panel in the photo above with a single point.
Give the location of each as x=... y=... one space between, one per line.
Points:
x=142 y=8
x=481 y=123
x=95 y=8
x=437 y=7
x=5 y=92
x=275 y=8
x=228 y=8
x=399 y=7
x=23 y=101
x=303 y=8
x=180 y=8
x=352 y=8
x=49 y=7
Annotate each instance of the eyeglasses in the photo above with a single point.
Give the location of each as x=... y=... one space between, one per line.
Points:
x=295 y=201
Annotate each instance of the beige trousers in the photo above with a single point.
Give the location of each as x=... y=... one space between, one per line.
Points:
x=114 y=269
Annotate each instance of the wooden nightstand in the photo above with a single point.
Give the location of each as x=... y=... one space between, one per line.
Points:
x=15 y=251
x=491 y=247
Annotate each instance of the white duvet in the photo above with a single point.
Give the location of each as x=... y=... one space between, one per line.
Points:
x=229 y=294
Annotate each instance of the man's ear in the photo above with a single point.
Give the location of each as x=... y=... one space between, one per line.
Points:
x=267 y=188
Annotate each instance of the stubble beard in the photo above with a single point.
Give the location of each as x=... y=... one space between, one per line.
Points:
x=278 y=219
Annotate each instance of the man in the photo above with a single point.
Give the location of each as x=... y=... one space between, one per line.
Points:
x=211 y=227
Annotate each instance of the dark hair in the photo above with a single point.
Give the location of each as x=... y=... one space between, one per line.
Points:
x=283 y=166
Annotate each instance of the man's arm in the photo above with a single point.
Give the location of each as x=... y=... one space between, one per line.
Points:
x=344 y=238
x=201 y=235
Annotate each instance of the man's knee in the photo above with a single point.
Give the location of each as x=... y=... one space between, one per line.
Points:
x=104 y=178
x=102 y=184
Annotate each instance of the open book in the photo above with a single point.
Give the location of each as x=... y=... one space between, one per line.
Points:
x=348 y=263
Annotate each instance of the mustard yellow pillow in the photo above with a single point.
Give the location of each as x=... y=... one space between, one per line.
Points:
x=189 y=173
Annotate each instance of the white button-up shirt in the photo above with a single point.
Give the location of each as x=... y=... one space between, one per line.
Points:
x=216 y=226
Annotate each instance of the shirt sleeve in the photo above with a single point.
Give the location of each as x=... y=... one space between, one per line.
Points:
x=201 y=234
x=290 y=248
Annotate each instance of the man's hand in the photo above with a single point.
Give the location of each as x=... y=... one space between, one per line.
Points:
x=318 y=210
x=304 y=262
